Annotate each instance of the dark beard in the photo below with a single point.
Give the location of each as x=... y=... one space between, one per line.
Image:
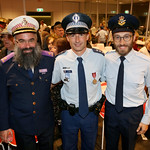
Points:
x=29 y=60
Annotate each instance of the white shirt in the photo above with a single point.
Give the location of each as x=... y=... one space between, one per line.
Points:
x=144 y=51
x=136 y=76
x=102 y=36
x=65 y=69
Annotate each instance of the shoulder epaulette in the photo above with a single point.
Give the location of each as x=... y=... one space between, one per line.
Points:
x=8 y=57
x=61 y=53
x=143 y=56
x=112 y=51
x=47 y=53
x=98 y=51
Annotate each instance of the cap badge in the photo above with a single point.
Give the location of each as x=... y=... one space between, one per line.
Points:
x=24 y=22
x=75 y=18
x=121 y=21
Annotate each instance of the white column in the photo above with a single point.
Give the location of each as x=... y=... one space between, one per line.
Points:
x=131 y=7
x=106 y=11
x=24 y=7
x=97 y=16
x=117 y=6
x=148 y=24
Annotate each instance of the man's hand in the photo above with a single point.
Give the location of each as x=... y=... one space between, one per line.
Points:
x=142 y=128
x=6 y=135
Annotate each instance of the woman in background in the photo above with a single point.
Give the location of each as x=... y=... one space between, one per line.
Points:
x=57 y=46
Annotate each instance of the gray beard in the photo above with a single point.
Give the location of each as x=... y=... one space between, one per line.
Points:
x=28 y=61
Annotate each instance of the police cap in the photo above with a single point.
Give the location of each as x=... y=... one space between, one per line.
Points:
x=123 y=22
x=76 y=23
x=23 y=24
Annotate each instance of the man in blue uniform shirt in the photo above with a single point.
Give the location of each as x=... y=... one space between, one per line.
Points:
x=127 y=72
x=80 y=69
x=25 y=78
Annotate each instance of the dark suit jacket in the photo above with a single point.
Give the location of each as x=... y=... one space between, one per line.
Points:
x=25 y=103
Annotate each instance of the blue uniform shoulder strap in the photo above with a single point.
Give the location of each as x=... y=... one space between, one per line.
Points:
x=97 y=51
x=8 y=57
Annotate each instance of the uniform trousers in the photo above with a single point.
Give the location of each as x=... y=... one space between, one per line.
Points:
x=70 y=127
x=122 y=124
x=27 y=142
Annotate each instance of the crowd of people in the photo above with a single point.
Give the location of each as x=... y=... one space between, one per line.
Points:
x=50 y=79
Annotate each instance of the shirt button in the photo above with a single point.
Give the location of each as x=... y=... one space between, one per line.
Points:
x=34 y=112
x=32 y=83
x=33 y=93
x=16 y=84
x=34 y=103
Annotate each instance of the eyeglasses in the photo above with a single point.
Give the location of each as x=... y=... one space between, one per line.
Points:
x=126 y=38
x=22 y=41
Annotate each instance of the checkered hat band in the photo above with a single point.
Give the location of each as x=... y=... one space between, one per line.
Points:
x=76 y=25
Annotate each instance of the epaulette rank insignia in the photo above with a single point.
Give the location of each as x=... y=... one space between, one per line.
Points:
x=47 y=53
x=6 y=58
x=97 y=51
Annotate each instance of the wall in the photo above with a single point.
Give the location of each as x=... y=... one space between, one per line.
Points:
x=14 y=8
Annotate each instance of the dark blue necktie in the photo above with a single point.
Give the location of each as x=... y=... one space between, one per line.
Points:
x=119 y=87
x=83 y=103
x=30 y=73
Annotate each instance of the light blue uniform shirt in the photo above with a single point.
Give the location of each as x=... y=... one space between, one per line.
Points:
x=65 y=69
x=136 y=76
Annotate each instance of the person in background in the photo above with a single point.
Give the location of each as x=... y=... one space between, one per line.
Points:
x=42 y=26
x=135 y=45
x=81 y=92
x=2 y=27
x=25 y=77
x=44 y=35
x=8 y=42
x=146 y=49
x=49 y=42
x=58 y=30
x=57 y=46
x=127 y=72
x=102 y=35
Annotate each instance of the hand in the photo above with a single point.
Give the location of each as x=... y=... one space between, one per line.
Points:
x=142 y=128
x=6 y=135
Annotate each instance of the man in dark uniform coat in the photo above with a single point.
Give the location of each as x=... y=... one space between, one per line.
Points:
x=25 y=78
x=8 y=42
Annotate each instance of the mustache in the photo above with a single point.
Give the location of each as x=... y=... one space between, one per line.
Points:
x=123 y=45
x=24 y=49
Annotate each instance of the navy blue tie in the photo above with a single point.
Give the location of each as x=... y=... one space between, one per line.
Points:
x=119 y=87
x=83 y=103
x=30 y=73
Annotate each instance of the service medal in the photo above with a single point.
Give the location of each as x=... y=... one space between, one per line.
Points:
x=94 y=76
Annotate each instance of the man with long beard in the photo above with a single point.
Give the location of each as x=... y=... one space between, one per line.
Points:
x=25 y=78
x=127 y=72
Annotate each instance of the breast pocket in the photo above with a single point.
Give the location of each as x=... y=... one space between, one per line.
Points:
x=135 y=81
x=93 y=76
x=15 y=82
x=45 y=78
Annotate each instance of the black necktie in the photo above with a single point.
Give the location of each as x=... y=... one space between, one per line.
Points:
x=83 y=103
x=119 y=87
